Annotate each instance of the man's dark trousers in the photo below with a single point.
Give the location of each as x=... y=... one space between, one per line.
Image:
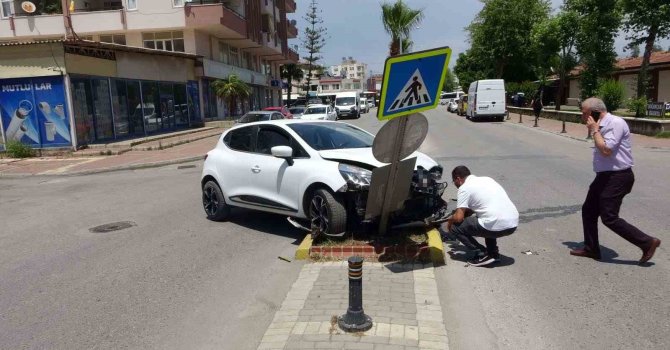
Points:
x=604 y=199
x=470 y=228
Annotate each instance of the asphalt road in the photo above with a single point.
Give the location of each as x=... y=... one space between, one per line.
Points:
x=552 y=300
x=178 y=281
x=173 y=281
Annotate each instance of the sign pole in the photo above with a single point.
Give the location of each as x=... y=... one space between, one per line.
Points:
x=390 y=184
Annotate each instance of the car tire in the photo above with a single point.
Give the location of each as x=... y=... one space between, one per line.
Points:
x=327 y=214
x=214 y=203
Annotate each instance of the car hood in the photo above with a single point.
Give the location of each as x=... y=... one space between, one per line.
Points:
x=364 y=155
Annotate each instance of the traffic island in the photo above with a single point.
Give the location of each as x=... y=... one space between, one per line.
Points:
x=408 y=246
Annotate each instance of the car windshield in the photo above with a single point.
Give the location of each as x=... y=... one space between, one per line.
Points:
x=316 y=110
x=325 y=136
x=345 y=101
x=297 y=110
x=253 y=117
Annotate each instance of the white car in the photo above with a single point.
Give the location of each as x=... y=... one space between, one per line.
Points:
x=452 y=106
x=318 y=171
x=319 y=112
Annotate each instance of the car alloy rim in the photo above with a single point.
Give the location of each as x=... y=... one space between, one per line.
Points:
x=211 y=201
x=318 y=211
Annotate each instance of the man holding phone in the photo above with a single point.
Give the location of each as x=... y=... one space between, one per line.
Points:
x=612 y=163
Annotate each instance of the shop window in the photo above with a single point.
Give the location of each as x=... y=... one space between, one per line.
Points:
x=120 y=108
x=180 y=105
x=113 y=39
x=102 y=109
x=135 y=110
x=82 y=108
x=149 y=110
x=166 y=41
x=167 y=108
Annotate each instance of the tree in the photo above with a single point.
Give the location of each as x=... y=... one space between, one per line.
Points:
x=501 y=32
x=314 y=39
x=231 y=90
x=471 y=66
x=635 y=51
x=291 y=72
x=398 y=20
x=657 y=48
x=449 y=82
x=645 y=21
x=554 y=43
x=598 y=25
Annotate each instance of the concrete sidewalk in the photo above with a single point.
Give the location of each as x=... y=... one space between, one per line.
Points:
x=401 y=299
x=190 y=147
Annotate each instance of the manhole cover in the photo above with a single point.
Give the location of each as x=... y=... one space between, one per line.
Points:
x=114 y=226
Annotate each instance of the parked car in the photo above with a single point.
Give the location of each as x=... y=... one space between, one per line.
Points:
x=319 y=112
x=364 y=105
x=257 y=116
x=371 y=104
x=462 y=105
x=270 y=166
x=297 y=111
x=283 y=110
x=452 y=105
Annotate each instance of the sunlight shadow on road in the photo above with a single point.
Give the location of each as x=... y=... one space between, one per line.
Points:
x=607 y=255
x=265 y=222
x=534 y=214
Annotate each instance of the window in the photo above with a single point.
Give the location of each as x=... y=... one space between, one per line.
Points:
x=178 y=3
x=120 y=107
x=268 y=138
x=234 y=57
x=7 y=8
x=102 y=109
x=325 y=87
x=224 y=52
x=336 y=86
x=246 y=60
x=132 y=4
x=113 y=39
x=240 y=139
x=166 y=41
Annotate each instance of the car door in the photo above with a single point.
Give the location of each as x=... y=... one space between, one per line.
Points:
x=236 y=164
x=280 y=182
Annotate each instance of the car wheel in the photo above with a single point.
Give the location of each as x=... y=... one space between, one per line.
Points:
x=214 y=202
x=327 y=214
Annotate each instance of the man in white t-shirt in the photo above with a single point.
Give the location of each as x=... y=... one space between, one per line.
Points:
x=483 y=210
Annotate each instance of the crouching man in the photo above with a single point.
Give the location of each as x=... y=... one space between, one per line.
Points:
x=483 y=210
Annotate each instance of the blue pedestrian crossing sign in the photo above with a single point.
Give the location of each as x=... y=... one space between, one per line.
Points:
x=412 y=82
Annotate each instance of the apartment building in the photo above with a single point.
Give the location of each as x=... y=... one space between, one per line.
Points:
x=202 y=40
x=349 y=69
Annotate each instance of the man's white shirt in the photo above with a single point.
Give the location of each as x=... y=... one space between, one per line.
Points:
x=489 y=201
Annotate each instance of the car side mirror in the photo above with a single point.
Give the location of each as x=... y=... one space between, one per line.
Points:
x=284 y=152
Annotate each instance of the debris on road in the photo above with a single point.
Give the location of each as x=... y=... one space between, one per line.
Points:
x=529 y=252
x=285 y=259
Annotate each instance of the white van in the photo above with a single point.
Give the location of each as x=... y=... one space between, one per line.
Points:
x=486 y=99
x=347 y=104
x=364 y=105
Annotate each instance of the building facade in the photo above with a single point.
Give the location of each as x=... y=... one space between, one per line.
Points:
x=248 y=38
x=349 y=69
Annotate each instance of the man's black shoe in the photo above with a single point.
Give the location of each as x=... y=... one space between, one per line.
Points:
x=483 y=260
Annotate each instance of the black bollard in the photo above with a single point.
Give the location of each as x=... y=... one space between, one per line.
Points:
x=355 y=320
x=520 y=121
x=563 y=131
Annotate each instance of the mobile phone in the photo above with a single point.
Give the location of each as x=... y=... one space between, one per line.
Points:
x=595 y=115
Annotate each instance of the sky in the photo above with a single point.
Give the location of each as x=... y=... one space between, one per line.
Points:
x=354 y=28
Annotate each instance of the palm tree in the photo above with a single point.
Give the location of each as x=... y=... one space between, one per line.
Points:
x=399 y=19
x=291 y=72
x=230 y=90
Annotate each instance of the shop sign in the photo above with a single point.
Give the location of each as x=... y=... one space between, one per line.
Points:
x=34 y=111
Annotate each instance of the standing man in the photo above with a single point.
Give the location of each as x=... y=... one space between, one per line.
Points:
x=612 y=163
x=537 y=105
x=494 y=216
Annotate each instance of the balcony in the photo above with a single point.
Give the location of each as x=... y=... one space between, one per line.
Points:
x=290 y=6
x=214 y=69
x=33 y=26
x=215 y=17
x=291 y=30
x=293 y=56
x=98 y=21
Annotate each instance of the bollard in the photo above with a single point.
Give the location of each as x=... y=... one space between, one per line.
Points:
x=520 y=121
x=355 y=320
x=563 y=131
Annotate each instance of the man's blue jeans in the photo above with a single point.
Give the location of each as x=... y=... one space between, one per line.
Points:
x=470 y=228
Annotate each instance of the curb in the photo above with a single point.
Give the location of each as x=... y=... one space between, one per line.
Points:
x=302 y=253
x=111 y=169
x=435 y=246
x=566 y=135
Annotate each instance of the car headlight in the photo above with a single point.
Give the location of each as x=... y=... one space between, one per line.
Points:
x=356 y=177
x=352 y=108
